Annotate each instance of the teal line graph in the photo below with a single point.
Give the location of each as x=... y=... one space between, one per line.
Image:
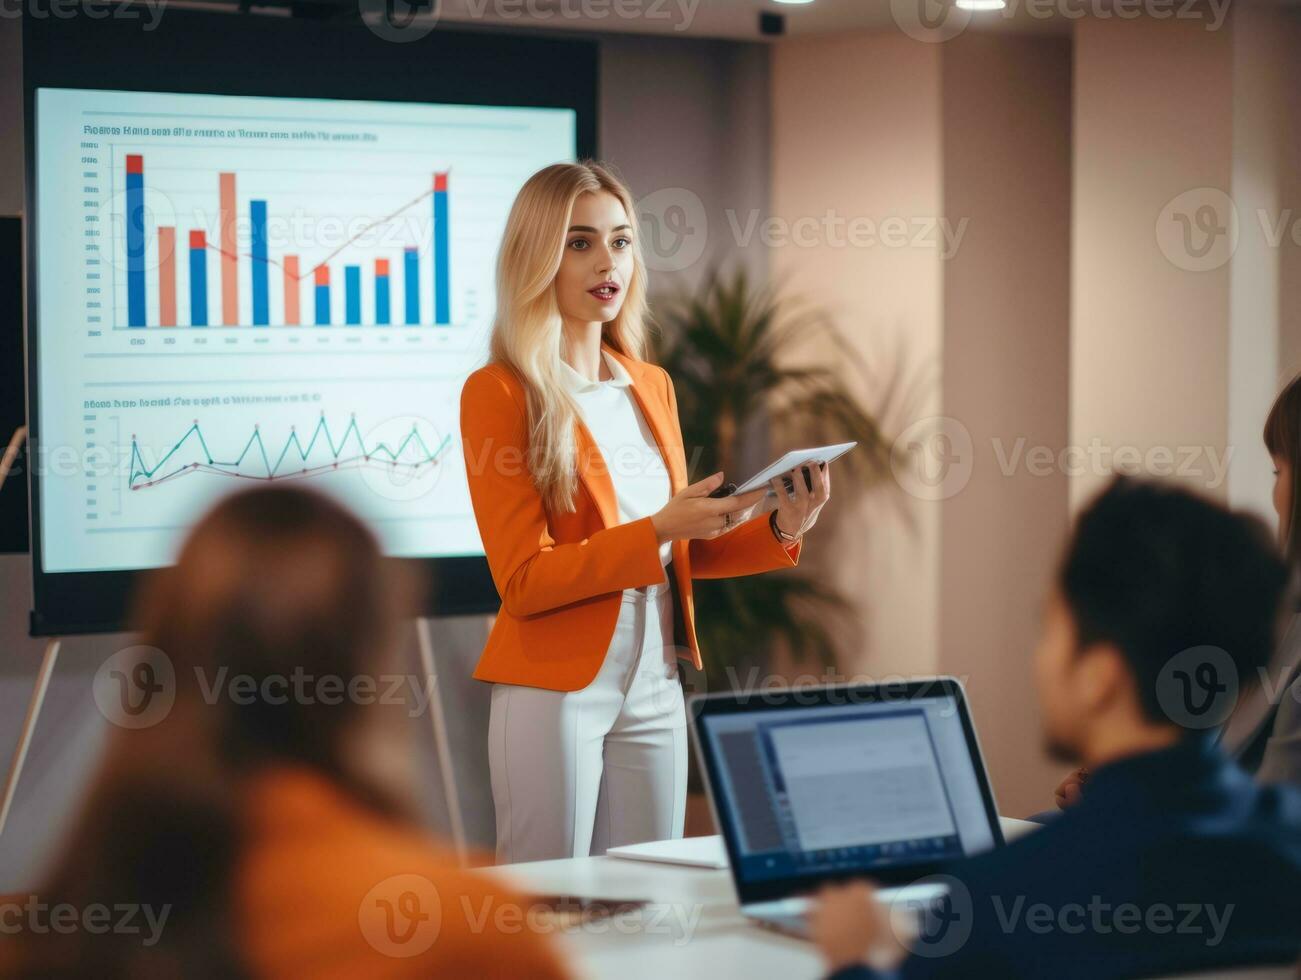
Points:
x=143 y=476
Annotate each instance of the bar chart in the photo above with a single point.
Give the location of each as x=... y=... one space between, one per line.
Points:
x=240 y=257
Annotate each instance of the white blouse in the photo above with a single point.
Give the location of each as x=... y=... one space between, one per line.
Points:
x=611 y=414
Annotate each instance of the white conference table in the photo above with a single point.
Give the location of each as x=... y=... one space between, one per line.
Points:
x=690 y=928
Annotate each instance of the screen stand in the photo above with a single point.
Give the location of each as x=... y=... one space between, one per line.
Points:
x=43 y=676
x=438 y=719
x=11 y=452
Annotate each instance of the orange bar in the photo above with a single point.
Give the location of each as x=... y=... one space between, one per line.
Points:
x=229 y=261
x=291 y=290
x=381 y=267
x=166 y=276
x=322 y=275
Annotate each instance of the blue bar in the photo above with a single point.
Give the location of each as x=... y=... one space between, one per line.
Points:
x=381 y=300
x=198 y=287
x=322 y=306
x=135 y=242
x=442 y=305
x=261 y=307
x=411 y=277
x=352 y=295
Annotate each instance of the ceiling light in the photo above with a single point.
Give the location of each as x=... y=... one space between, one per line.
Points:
x=980 y=4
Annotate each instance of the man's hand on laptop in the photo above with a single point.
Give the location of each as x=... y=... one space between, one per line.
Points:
x=850 y=927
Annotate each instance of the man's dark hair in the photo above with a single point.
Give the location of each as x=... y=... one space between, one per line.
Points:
x=1156 y=570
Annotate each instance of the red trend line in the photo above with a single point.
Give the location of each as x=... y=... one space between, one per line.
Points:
x=374 y=224
x=355 y=462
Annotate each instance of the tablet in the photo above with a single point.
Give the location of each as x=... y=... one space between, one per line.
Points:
x=794 y=460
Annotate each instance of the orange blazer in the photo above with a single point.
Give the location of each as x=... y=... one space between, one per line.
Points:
x=329 y=890
x=561 y=575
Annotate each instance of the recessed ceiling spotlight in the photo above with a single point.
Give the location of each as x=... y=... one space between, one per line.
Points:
x=980 y=4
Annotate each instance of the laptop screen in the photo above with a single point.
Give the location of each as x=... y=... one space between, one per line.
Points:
x=819 y=789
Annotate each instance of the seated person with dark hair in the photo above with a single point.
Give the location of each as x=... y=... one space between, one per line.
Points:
x=1174 y=860
x=240 y=813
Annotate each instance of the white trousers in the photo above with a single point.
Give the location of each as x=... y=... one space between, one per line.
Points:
x=576 y=772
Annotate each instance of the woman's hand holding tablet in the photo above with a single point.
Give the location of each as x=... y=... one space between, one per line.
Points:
x=696 y=511
x=793 y=460
x=798 y=501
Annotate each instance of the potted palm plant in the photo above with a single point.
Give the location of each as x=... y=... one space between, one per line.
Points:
x=728 y=347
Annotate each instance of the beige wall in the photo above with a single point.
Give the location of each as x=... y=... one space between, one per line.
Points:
x=1149 y=339
x=1006 y=111
x=1290 y=257
x=1262 y=54
x=1075 y=316
x=1186 y=307
x=713 y=97
x=856 y=132
x=947 y=576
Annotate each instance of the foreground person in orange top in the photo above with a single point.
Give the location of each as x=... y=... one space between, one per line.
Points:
x=232 y=812
x=578 y=478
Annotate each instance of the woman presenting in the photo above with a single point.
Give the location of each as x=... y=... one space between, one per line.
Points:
x=577 y=475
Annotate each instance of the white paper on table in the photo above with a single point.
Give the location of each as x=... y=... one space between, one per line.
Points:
x=697 y=852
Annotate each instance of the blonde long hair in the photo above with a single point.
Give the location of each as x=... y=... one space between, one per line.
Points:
x=527 y=334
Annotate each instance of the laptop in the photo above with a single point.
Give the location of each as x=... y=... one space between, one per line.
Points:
x=814 y=785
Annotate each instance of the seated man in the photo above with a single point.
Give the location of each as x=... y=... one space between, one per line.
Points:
x=1174 y=860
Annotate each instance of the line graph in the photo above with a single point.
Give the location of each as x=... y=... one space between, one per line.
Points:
x=142 y=476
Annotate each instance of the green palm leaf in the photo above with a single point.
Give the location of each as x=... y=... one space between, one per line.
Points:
x=728 y=347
